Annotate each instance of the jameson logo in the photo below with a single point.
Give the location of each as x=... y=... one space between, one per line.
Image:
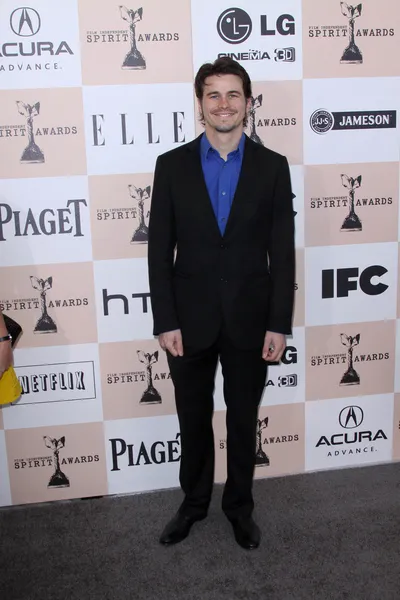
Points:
x=322 y=121
x=355 y=439
x=135 y=455
x=49 y=221
x=26 y=49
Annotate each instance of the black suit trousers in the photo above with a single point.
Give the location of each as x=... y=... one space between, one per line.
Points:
x=193 y=375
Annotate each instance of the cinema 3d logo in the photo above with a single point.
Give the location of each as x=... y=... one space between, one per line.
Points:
x=234 y=26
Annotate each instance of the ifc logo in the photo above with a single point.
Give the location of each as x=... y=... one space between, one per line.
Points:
x=234 y=26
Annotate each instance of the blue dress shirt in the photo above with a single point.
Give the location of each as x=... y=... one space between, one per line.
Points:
x=221 y=177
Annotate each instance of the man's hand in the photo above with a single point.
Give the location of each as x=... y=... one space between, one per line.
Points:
x=6 y=357
x=274 y=346
x=172 y=341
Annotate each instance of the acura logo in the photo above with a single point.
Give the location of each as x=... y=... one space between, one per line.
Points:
x=25 y=21
x=351 y=417
x=234 y=26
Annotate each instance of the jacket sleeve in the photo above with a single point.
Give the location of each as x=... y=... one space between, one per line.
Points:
x=281 y=253
x=161 y=245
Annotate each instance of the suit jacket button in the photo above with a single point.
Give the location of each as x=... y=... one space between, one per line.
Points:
x=223 y=246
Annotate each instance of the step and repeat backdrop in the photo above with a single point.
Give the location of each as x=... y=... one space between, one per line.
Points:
x=90 y=94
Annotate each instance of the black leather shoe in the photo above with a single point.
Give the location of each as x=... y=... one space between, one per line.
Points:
x=178 y=529
x=247 y=532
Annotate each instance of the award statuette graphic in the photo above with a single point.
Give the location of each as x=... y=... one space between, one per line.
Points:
x=141 y=235
x=58 y=479
x=45 y=323
x=352 y=221
x=352 y=54
x=350 y=377
x=262 y=459
x=150 y=394
x=255 y=103
x=134 y=60
x=32 y=153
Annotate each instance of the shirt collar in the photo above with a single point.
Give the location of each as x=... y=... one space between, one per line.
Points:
x=205 y=146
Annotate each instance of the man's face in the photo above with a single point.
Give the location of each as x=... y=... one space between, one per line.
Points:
x=223 y=105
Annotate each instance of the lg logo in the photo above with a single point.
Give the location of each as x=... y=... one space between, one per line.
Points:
x=234 y=25
x=351 y=279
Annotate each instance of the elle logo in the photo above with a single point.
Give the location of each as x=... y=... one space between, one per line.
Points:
x=351 y=279
x=127 y=134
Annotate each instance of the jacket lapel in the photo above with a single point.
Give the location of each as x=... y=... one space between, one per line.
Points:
x=199 y=194
x=242 y=205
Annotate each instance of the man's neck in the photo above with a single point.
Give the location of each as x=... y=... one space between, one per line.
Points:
x=224 y=142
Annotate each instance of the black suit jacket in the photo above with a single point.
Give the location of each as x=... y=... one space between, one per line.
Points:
x=245 y=278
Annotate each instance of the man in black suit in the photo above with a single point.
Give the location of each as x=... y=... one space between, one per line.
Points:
x=224 y=204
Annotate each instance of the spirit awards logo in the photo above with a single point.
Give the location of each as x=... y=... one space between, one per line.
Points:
x=45 y=323
x=254 y=105
x=134 y=60
x=32 y=152
x=141 y=235
x=350 y=377
x=352 y=221
x=58 y=479
x=150 y=394
x=352 y=54
x=262 y=459
x=322 y=120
